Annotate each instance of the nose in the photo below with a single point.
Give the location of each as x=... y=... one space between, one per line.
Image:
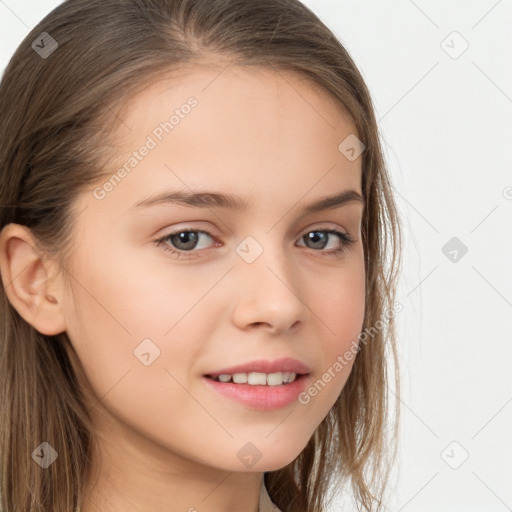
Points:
x=268 y=294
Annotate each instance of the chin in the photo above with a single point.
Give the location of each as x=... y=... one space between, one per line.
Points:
x=279 y=456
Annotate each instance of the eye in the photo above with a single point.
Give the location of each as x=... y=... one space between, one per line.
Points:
x=319 y=238
x=183 y=242
x=184 y=239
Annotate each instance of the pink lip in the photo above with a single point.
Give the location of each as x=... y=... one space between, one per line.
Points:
x=286 y=364
x=263 y=398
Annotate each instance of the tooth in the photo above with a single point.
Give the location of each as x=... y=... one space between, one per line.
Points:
x=240 y=378
x=275 y=379
x=256 y=378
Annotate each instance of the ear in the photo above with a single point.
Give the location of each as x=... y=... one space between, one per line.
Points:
x=26 y=279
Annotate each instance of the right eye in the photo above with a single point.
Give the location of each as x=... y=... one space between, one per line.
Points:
x=183 y=240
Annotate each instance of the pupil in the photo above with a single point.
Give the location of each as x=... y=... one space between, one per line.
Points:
x=315 y=235
x=184 y=235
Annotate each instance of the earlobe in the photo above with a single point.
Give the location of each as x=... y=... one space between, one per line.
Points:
x=26 y=280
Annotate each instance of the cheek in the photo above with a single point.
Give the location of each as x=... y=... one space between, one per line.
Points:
x=132 y=297
x=117 y=321
x=126 y=312
x=340 y=306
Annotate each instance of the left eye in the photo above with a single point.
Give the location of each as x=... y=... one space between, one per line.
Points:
x=186 y=240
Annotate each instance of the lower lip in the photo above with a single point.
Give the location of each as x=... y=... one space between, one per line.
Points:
x=263 y=398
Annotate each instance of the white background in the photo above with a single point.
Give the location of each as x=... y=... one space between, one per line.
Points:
x=446 y=124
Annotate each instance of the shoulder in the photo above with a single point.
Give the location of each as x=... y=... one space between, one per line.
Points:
x=266 y=504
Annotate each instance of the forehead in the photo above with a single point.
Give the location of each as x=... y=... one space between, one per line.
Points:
x=239 y=101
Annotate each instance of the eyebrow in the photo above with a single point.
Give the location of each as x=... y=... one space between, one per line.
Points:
x=231 y=202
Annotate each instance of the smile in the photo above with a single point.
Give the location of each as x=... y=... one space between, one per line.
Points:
x=256 y=394
x=257 y=378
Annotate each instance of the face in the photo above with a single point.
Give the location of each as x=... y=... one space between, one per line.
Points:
x=164 y=293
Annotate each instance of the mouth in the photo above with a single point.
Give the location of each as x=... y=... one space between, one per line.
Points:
x=259 y=391
x=261 y=384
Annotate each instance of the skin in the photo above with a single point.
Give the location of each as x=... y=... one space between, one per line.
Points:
x=168 y=443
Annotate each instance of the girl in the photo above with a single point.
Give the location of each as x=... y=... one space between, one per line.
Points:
x=199 y=252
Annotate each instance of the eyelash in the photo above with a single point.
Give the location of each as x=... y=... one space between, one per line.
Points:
x=345 y=239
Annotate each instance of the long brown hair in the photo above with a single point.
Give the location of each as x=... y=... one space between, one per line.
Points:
x=56 y=110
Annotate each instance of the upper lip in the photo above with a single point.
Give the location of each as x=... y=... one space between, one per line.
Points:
x=286 y=364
